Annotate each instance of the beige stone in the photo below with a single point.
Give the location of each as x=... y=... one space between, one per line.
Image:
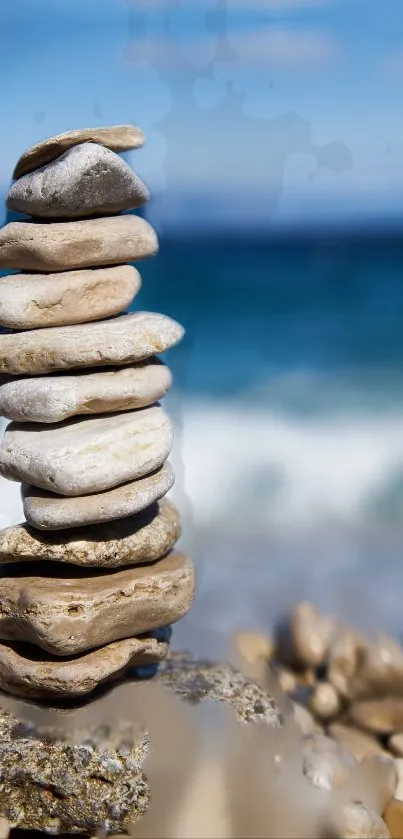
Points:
x=325 y=701
x=399 y=784
x=84 y=456
x=359 y=744
x=26 y=671
x=382 y=716
x=145 y=537
x=122 y=340
x=86 y=180
x=303 y=638
x=326 y=764
x=379 y=671
x=395 y=744
x=46 y=511
x=67 y=611
x=4 y=828
x=64 y=246
x=50 y=399
x=254 y=646
x=356 y=821
x=346 y=651
x=393 y=817
x=118 y=138
x=29 y=301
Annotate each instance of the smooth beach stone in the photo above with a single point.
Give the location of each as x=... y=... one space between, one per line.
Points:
x=395 y=744
x=47 y=511
x=86 y=180
x=118 y=138
x=325 y=701
x=51 y=399
x=303 y=638
x=145 y=537
x=382 y=716
x=97 y=782
x=346 y=651
x=393 y=817
x=357 y=821
x=84 y=456
x=69 y=245
x=122 y=340
x=379 y=671
x=66 y=610
x=25 y=670
x=359 y=744
x=326 y=764
x=31 y=301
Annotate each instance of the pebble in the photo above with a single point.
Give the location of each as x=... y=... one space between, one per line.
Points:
x=66 y=611
x=25 y=672
x=325 y=701
x=47 y=511
x=380 y=670
x=303 y=639
x=55 y=398
x=345 y=653
x=399 y=785
x=254 y=646
x=359 y=744
x=145 y=537
x=326 y=764
x=357 y=821
x=393 y=817
x=86 y=180
x=69 y=245
x=382 y=716
x=84 y=456
x=395 y=744
x=118 y=138
x=123 y=340
x=29 y=301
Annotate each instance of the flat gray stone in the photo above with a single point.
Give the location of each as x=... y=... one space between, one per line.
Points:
x=69 y=245
x=115 y=137
x=84 y=456
x=46 y=511
x=49 y=399
x=29 y=301
x=144 y=537
x=66 y=611
x=97 y=782
x=86 y=180
x=27 y=671
x=122 y=340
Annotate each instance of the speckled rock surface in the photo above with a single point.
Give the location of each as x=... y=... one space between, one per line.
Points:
x=84 y=456
x=86 y=180
x=69 y=245
x=121 y=340
x=144 y=537
x=56 y=398
x=26 y=671
x=32 y=301
x=98 y=783
x=47 y=511
x=115 y=137
x=66 y=610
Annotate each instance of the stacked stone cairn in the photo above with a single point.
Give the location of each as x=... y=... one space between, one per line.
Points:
x=90 y=582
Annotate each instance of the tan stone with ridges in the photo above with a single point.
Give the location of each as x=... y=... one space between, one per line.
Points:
x=66 y=614
x=115 y=137
x=65 y=246
x=144 y=537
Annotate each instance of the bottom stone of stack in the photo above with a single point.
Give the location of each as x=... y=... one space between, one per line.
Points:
x=67 y=610
x=26 y=671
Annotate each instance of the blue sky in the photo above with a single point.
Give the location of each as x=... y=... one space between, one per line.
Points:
x=257 y=112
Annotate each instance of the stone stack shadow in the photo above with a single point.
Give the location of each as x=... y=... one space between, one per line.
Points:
x=92 y=582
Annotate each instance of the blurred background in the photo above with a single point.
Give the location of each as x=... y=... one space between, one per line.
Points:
x=275 y=161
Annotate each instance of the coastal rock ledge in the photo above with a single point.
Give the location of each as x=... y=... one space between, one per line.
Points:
x=96 y=782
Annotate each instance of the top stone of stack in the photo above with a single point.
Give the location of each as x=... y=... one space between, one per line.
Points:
x=117 y=138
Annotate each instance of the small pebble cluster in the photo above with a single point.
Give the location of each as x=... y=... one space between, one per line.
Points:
x=347 y=695
x=92 y=583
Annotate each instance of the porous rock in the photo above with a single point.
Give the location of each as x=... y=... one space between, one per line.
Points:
x=84 y=456
x=118 y=138
x=47 y=511
x=32 y=301
x=86 y=180
x=144 y=537
x=97 y=783
x=123 y=340
x=55 y=398
x=69 y=245
x=25 y=671
x=66 y=610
